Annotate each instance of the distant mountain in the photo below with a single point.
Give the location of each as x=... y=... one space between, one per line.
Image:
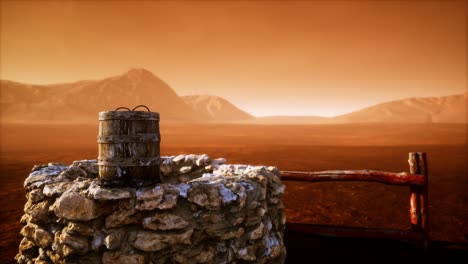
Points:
x=216 y=108
x=81 y=101
x=446 y=109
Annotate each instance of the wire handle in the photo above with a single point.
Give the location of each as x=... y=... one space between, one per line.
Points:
x=128 y=109
x=119 y=108
x=138 y=106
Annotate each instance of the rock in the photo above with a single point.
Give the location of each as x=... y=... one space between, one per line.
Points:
x=185 y=169
x=149 y=198
x=163 y=196
x=89 y=166
x=211 y=197
x=70 y=244
x=81 y=185
x=80 y=228
x=36 y=195
x=56 y=164
x=178 y=159
x=273 y=246
x=42 y=175
x=154 y=241
x=232 y=234
x=54 y=257
x=39 y=213
x=113 y=240
x=182 y=188
x=26 y=218
x=55 y=227
x=240 y=190
x=105 y=193
x=165 y=168
x=21 y=259
x=199 y=198
x=73 y=206
x=256 y=233
x=28 y=205
x=118 y=258
x=190 y=159
x=217 y=226
x=26 y=245
x=218 y=162
x=73 y=172
x=203 y=161
x=247 y=253
x=42 y=237
x=98 y=241
x=206 y=255
x=124 y=215
x=164 y=221
x=56 y=189
x=38 y=167
x=42 y=258
x=38 y=235
x=227 y=195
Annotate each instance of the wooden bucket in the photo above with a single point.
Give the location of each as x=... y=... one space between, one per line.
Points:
x=128 y=147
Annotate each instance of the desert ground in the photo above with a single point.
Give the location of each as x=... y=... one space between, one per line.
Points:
x=289 y=147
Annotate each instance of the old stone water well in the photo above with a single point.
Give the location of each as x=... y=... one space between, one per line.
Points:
x=190 y=209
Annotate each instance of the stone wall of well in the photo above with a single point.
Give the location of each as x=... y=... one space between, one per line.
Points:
x=203 y=211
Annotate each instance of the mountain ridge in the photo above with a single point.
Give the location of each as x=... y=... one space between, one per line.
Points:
x=81 y=101
x=216 y=107
x=442 y=109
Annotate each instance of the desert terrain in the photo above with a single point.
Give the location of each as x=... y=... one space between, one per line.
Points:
x=289 y=147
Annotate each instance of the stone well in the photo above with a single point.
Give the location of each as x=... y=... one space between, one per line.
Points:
x=204 y=211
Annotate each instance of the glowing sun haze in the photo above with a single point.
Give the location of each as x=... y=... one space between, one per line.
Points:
x=268 y=58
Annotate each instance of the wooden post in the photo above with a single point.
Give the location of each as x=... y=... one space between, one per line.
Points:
x=418 y=195
x=423 y=195
x=392 y=178
x=414 y=192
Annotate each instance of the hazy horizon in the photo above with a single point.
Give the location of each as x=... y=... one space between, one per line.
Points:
x=214 y=95
x=269 y=58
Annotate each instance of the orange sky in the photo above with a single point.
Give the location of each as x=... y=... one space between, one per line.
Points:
x=267 y=57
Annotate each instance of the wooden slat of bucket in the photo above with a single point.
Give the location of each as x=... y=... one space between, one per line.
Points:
x=114 y=127
x=123 y=150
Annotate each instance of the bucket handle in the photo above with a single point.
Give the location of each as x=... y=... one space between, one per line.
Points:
x=138 y=106
x=119 y=108
x=128 y=109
